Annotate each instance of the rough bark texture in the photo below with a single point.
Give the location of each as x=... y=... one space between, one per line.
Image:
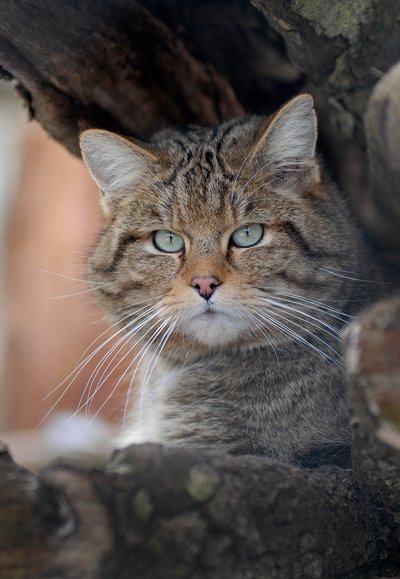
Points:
x=373 y=364
x=110 y=64
x=156 y=512
x=382 y=124
x=343 y=47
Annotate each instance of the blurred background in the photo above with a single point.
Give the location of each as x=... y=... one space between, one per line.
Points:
x=49 y=218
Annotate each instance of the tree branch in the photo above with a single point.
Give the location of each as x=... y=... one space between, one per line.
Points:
x=382 y=125
x=343 y=48
x=172 y=513
x=373 y=366
x=116 y=67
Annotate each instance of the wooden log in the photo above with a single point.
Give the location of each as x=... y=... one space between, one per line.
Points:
x=110 y=64
x=177 y=513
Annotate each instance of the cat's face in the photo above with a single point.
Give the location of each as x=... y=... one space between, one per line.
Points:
x=210 y=235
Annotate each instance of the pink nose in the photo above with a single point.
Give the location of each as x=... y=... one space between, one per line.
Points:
x=205 y=285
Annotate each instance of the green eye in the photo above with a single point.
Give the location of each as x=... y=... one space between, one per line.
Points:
x=247 y=235
x=168 y=241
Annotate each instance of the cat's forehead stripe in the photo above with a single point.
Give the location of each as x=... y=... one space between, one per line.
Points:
x=197 y=173
x=198 y=170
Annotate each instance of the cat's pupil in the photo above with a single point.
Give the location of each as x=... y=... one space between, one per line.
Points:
x=168 y=241
x=247 y=235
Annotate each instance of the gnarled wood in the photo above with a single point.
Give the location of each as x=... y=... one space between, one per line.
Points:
x=343 y=48
x=116 y=66
x=373 y=366
x=382 y=125
x=176 y=513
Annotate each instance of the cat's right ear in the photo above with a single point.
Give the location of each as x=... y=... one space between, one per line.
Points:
x=286 y=149
x=116 y=164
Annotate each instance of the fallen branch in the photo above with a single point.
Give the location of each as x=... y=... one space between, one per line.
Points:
x=159 y=512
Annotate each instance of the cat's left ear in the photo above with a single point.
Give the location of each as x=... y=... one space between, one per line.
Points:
x=116 y=164
x=287 y=146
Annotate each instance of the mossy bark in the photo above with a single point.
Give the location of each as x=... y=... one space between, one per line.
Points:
x=343 y=48
x=176 y=513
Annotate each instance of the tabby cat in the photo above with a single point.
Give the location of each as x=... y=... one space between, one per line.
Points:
x=233 y=263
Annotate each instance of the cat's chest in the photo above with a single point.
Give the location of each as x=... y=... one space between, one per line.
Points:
x=243 y=380
x=160 y=380
x=241 y=403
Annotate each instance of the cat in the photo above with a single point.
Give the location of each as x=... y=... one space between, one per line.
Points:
x=231 y=258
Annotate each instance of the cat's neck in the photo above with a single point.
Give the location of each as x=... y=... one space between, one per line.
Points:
x=179 y=352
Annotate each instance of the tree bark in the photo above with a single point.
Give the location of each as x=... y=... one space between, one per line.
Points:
x=155 y=512
x=116 y=66
x=343 y=48
x=158 y=512
x=137 y=66
x=382 y=124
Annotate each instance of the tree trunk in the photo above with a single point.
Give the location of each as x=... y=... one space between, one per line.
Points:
x=155 y=512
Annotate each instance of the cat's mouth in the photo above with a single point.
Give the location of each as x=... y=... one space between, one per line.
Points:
x=214 y=326
x=210 y=311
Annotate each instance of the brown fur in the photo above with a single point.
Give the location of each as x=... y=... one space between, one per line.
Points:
x=227 y=376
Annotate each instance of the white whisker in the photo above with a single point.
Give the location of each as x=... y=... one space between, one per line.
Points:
x=315 y=302
x=329 y=346
x=84 y=362
x=295 y=335
x=264 y=333
x=70 y=278
x=331 y=330
x=98 y=386
x=326 y=311
x=78 y=369
x=335 y=273
x=150 y=367
x=116 y=349
x=132 y=332
x=75 y=373
x=87 y=291
x=142 y=351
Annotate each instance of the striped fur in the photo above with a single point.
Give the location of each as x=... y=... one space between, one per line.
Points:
x=257 y=369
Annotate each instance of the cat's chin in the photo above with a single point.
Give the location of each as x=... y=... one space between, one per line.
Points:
x=215 y=329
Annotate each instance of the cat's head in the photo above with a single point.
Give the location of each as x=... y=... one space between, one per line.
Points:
x=210 y=231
